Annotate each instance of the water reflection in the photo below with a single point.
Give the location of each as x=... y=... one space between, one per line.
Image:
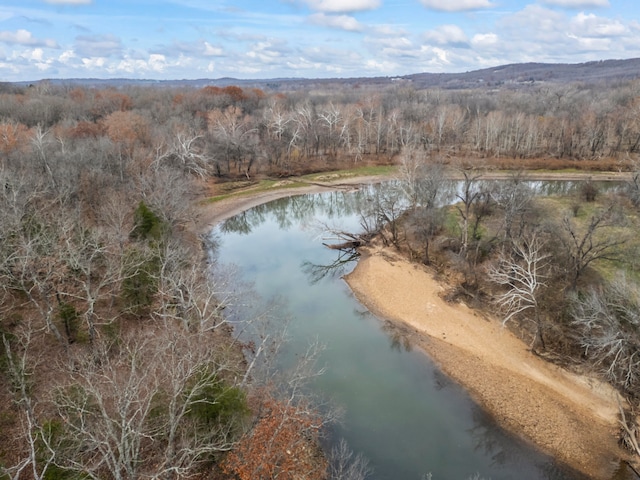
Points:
x=340 y=265
x=293 y=210
x=401 y=412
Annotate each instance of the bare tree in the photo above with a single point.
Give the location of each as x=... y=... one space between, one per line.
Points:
x=584 y=246
x=344 y=464
x=21 y=363
x=515 y=198
x=95 y=272
x=607 y=326
x=427 y=188
x=39 y=143
x=382 y=211
x=185 y=151
x=422 y=181
x=520 y=273
x=468 y=195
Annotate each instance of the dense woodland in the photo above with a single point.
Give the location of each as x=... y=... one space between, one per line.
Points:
x=117 y=358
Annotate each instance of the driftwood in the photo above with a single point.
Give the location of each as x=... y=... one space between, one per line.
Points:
x=346 y=240
x=350 y=245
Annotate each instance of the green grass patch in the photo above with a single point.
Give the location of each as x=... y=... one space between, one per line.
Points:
x=365 y=171
x=244 y=188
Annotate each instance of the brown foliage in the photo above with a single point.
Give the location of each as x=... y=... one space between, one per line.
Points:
x=236 y=93
x=282 y=444
x=109 y=101
x=127 y=128
x=13 y=136
x=86 y=129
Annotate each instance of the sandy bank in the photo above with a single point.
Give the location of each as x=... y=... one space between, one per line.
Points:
x=573 y=418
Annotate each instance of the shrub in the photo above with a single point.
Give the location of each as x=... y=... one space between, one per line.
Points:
x=213 y=402
x=68 y=314
x=140 y=282
x=147 y=225
x=589 y=191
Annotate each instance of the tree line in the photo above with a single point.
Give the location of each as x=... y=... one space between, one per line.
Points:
x=231 y=132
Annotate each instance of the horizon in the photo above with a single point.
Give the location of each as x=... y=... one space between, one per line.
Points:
x=173 y=40
x=302 y=79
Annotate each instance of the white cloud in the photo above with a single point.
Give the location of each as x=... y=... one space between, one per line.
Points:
x=94 y=63
x=212 y=51
x=534 y=25
x=342 y=6
x=590 y=44
x=390 y=43
x=447 y=35
x=266 y=53
x=380 y=66
x=25 y=37
x=484 y=40
x=98 y=45
x=154 y=63
x=589 y=25
x=457 y=5
x=68 y=56
x=340 y=22
x=577 y=3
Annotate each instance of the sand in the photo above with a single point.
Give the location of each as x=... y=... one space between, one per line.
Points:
x=572 y=417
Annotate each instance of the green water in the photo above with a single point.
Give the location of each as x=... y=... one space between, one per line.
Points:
x=403 y=414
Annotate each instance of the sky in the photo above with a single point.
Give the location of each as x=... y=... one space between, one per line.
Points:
x=263 y=39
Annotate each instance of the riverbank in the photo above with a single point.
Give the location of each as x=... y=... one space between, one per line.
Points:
x=573 y=418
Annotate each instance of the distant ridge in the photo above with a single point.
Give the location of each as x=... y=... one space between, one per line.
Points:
x=515 y=75
x=519 y=73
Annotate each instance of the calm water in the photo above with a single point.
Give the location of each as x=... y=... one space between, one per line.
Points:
x=405 y=416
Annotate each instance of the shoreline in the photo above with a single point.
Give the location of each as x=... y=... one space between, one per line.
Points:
x=573 y=418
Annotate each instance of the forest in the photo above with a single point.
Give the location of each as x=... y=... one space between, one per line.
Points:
x=117 y=359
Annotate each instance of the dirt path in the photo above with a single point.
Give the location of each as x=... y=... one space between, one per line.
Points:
x=573 y=418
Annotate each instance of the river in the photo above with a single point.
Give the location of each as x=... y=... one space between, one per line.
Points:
x=401 y=413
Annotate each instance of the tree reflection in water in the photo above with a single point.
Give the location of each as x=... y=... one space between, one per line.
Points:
x=337 y=268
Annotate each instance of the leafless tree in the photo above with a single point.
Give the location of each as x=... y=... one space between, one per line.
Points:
x=423 y=181
x=514 y=197
x=344 y=464
x=380 y=210
x=22 y=360
x=95 y=273
x=607 y=325
x=472 y=207
x=186 y=152
x=583 y=246
x=39 y=142
x=519 y=272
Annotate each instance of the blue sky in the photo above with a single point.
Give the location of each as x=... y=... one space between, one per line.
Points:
x=175 y=39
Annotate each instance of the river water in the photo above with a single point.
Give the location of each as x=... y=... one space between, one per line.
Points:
x=401 y=413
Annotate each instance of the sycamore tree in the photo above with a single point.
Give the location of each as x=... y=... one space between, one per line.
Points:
x=519 y=272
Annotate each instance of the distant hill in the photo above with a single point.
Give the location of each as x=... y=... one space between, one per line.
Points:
x=522 y=73
x=514 y=75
